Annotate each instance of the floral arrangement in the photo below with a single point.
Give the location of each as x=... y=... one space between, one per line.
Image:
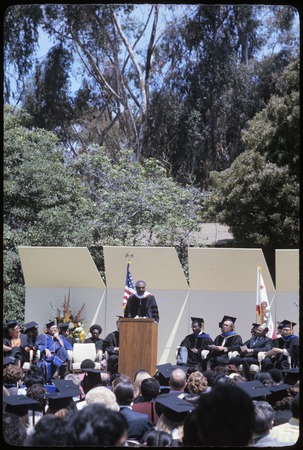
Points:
x=76 y=322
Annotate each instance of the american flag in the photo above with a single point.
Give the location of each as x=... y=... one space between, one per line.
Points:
x=129 y=286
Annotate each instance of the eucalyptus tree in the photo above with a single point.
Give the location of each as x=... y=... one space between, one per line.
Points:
x=103 y=40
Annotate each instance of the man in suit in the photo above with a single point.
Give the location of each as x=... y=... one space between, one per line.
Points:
x=138 y=423
x=248 y=352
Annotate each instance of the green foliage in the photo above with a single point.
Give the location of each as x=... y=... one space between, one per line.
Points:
x=258 y=200
x=275 y=131
x=44 y=203
x=137 y=204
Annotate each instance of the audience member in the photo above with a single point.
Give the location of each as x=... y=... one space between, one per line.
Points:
x=111 y=346
x=289 y=432
x=264 y=421
x=36 y=392
x=189 y=353
x=13 y=429
x=197 y=383
x=248 y=352
x=157 y=438
x=117 y=378
x=96 y=425
x=53 y=348
x=12 y=376
x=50 y=431
x=92 y=376
x=174 y=411
x=225 y=417
x=142 y=303
x=103 y=396
x=140 y=375
x=150 y=390
x=225 y=342
x=138 y=423
x=264 y=377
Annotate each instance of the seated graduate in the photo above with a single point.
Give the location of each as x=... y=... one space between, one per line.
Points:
x=225 y=342
x=189 y=353
x=53 y=348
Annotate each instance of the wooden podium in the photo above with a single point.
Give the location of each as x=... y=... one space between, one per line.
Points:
x=138 y=345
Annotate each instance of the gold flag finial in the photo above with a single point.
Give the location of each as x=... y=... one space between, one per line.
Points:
x=129 y=256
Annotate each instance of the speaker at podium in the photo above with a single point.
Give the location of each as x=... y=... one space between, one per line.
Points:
x=138 y=346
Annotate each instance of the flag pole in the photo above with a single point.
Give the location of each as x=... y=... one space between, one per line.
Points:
x=258 y=294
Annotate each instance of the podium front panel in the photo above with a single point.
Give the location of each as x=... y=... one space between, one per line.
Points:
x=138 y=346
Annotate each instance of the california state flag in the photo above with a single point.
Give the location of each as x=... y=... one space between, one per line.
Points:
x=263 y=312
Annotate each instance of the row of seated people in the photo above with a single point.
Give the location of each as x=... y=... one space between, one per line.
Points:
x=53 y=349
x=196 y=349
x=184 y=403
x=200 y=350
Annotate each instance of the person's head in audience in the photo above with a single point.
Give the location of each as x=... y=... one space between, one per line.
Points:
x=264 y=377
x=178 y=380
x=150 y=389
x=235 y=378
x=96 y=425
x=13 y=429
x=157 y=438
x=209 y=375
x=118 y=378
x=37 y=392
x=124 y=392
x=140 y=375
x=197 y=383
x=12 y=374
x=225 y=417
x=34 y=376
x=264 y=418
x=276 y=375
x=190 y=430
x=92 y=376
x=103 y=396
x=50 y=431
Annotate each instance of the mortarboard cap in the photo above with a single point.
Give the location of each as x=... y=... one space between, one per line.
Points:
x=165 y=369
x=20 y=404
x=278 y=391
x=291 y=375
x=63 y=325
x=232 y=319
x=50 y=324
x=279 y=325
x=120 y=317
x=59 y=399
x=8 y=360
x=11 y=323
x=30 y=325
x=67 y=387
x=255 y=325
x=287 y=324
x=255 y=389
x=197 y=319
x=173 y=407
